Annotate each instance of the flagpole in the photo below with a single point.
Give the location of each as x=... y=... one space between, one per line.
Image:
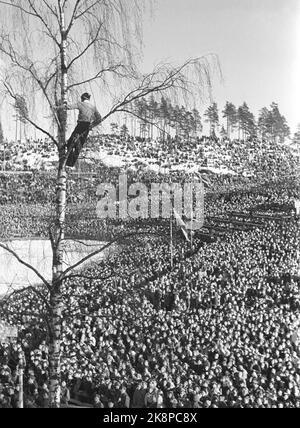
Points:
x=171 y=221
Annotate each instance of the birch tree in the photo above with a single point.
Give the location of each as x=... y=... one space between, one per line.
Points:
x=53 y=50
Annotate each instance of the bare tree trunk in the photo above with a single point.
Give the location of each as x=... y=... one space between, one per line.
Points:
x=56 y=304
x=55 y=347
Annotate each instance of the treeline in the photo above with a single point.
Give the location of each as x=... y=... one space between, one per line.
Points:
x=148 y=115
x=239 y=122
x=270 y=125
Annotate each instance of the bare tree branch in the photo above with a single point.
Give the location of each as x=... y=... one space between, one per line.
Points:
x=73 y=17
x=161 y=80
x=35 y=14
x=52 y=10
x=39 y=295
x=48 y=81
x=98 y=75
x=14 y=96
x=34 y=290
x=33 y=72
x=16 y=59
x=16 y=6
x=89 y=45
x=105 y=247
x=13 y=253
x=89 y=278
x=85 y=11
x=40 y=17
x=144 y=120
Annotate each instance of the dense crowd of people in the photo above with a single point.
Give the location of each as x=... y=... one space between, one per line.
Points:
x=216 y=327
x=26 y=155
x=249 y=157
x=214 y=331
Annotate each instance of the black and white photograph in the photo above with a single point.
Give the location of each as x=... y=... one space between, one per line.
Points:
x=149 y=206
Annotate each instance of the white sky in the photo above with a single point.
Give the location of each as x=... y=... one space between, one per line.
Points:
x=257 y=41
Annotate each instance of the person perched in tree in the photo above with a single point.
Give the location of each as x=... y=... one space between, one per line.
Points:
x=88 y=118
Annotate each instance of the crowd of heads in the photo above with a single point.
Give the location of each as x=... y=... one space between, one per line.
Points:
x=214 y=328
x=250 y=157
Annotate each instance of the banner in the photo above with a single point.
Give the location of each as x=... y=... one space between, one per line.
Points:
x=182 y=224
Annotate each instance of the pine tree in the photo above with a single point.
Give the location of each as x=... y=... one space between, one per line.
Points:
x=176 y=119
x=183 y=121
x=124 y=131
x=1 y=135
x=212 y=117
x=223 y=133
x=279 y=126
x=246 y=121
x=153 y=113
x=264 y=122
x=296 y=138
x=197 y=123
x=142 y=111
x=272 y=125
x=230 y=113
x=164 y=115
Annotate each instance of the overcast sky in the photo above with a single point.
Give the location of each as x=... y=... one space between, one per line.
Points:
x=257 y=41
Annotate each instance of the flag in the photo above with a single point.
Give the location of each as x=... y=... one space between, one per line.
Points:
x=204 y=178
x=182 y=225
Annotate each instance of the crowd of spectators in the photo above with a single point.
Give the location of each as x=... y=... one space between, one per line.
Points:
x=26 y=155
x=214 y=331
x=215 y=328
x=249 y=157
